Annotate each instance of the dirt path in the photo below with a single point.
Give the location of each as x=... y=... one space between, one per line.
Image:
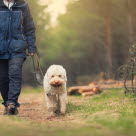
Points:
x=33 y=108
x=85 y=116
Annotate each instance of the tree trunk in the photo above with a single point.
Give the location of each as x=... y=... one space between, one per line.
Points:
x=108 y=43
x=130 y=24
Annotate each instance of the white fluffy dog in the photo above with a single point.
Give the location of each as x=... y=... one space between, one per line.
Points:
x=55 y=81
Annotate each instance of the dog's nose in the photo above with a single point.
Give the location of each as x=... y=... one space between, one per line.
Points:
x=56 y=81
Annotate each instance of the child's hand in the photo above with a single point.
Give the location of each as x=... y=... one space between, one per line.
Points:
x=31 y=54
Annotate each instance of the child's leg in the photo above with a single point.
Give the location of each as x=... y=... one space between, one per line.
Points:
x=15 y=79
x=4 y=80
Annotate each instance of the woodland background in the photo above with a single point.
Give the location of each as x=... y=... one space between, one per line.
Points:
x=93 y=36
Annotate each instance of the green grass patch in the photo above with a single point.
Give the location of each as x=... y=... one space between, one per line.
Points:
x=111 y=109
x=32 y=90
x=107 y=114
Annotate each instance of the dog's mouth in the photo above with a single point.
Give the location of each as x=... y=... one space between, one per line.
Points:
x=56 y=85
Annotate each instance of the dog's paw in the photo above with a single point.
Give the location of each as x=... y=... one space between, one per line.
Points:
x=63 y=112
x=57 y=112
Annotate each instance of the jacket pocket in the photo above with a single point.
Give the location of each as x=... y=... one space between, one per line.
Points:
x=18 y=46
x=3 y=19
x=3 y=47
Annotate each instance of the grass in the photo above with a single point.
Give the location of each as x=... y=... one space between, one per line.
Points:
x=107 y=114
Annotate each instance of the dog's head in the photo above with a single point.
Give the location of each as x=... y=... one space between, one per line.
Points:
x=56 y=75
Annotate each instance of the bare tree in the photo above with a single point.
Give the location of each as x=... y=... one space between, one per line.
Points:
x=130 y=22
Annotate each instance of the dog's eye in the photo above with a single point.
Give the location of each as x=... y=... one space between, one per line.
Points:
x=60 y=76
x=52 y=76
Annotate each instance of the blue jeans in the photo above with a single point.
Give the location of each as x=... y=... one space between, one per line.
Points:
x=11 y=80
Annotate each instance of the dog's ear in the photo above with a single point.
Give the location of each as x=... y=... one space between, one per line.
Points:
x=46 y=77
x=65 y=78
x=65 y=75
x=45 y=82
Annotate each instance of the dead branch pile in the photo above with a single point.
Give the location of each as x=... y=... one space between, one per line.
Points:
x=91 y=89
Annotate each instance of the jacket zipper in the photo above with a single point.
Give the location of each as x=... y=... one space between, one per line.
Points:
x=9 y=26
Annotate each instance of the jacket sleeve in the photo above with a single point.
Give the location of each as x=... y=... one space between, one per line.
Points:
x=29 y=30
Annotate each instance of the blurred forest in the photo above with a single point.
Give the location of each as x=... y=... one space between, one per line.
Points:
x=92 y=37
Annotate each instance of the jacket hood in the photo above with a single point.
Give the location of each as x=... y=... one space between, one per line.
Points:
x=18 y=3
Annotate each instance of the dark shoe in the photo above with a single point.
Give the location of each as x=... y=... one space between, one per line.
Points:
x=5 y=111
x=12 y=109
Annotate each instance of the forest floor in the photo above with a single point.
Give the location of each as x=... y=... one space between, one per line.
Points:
x=107 y=114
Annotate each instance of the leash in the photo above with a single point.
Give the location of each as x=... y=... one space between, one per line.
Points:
x=38 y=73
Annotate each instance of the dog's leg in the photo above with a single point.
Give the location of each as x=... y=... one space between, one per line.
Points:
x=63 y=102
x=51 y=103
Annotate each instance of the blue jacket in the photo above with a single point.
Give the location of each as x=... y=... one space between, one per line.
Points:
x=17 y=30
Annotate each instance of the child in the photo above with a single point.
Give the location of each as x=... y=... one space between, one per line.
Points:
x=17 y=33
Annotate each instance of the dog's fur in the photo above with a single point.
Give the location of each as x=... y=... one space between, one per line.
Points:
x=55 y=81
